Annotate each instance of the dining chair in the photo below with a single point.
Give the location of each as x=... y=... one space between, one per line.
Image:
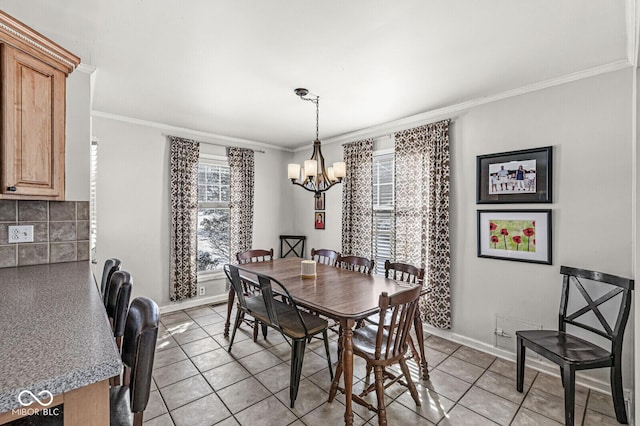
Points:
x=254 y=255
x=382 y=346
x=356 y=264
x=110 y=266
x=251 y=256
x=413 y=275
x=573 y=353
x=118 y=296
x=403 y=272
x=326 y=256
x=286 y=318
x=128 y=402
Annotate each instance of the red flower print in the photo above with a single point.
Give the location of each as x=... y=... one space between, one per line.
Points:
x=534 y=223
x=517 y=239
x=528 y=232
x=504 y=234
x=494 y=240
x=492 y=226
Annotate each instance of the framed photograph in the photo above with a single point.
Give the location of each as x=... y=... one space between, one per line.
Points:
x=515 y=177
x=319 y=202
x=521 y=235
x=319 y=220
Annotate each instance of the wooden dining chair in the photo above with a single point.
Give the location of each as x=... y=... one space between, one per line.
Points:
x=573 y=353
x=413 y=275
x=286 y=318
x=128 y=402
x=254 y=255
x=382 y=346
x=326 y=256
x=403 y=272
x=356 y=264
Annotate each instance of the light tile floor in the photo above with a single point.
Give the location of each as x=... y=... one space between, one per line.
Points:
x=197 y=382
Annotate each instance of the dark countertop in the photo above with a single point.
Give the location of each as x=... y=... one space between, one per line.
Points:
x=54 y=331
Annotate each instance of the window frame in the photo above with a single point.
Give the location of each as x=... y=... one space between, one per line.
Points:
x=217 y=160
x=382 y=211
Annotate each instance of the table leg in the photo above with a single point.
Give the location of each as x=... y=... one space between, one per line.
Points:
x=347 y=366
x=232 y=298
x=417 y=323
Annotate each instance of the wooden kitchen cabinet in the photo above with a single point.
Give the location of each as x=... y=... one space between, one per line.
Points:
x=33 y=96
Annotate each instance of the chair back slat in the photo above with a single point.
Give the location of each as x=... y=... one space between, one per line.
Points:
x=234 y=278
x=356 y=264
x=325 y=256
x=623 y=287
x=399 y=310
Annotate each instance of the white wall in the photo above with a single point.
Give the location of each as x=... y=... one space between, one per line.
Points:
x=78 y=136
x=588 y=123
x=133 y=203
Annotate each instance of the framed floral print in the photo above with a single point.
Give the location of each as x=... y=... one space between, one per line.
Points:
x=520 y=235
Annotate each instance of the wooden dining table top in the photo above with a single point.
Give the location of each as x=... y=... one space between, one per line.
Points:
x=334 y=292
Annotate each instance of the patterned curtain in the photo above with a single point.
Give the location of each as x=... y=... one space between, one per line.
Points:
x=357 y=199
x=422 y=213
x=184 y=218
x=241 y=165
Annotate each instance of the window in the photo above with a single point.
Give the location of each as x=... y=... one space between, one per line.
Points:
x=93 y=222
x=383 y=223
x=213 y=215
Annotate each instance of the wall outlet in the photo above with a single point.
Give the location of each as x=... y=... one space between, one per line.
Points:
x=20 y=234
x=202 y=291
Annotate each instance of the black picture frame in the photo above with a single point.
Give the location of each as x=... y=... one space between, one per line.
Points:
x=500 y=230
x=535 y=187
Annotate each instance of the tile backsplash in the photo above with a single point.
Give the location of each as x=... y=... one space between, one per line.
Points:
x=60 y=232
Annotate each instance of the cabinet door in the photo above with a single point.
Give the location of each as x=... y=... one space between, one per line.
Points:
x=33 y=114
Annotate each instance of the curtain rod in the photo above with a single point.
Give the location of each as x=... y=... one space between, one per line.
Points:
x=212 y=143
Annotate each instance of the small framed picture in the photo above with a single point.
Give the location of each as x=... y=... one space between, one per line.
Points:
x=521 y=235
x=515 y=177
x=319 y=201
x=319 y=220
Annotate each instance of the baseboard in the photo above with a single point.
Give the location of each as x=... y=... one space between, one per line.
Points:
x=193 y=303
x=539 y=365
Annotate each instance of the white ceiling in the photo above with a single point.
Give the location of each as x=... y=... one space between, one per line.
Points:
x=229 y=67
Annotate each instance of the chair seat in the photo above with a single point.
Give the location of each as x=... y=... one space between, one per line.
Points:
x=570 y=348
x=364 y=341
x=119 y=406
x=287 y=317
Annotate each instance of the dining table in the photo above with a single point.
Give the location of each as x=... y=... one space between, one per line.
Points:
x=340 y=294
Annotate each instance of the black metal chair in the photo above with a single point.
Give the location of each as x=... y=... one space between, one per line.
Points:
x=573 y=353
x=284 y=317
x=110 y=266
x=138 y=352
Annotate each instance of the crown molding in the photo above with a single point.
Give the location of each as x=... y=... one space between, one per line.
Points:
x=188 y=133
x=86 y=68
x=451 y=110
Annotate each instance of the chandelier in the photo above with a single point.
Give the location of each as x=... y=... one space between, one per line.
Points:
x=313 y=176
